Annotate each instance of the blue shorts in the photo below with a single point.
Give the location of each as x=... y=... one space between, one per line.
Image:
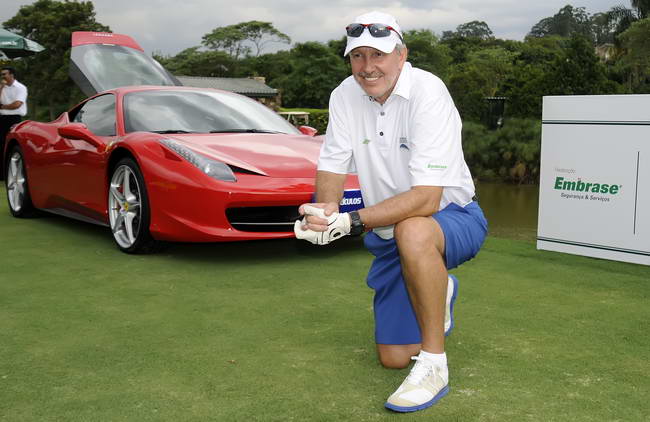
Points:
x=395 y=323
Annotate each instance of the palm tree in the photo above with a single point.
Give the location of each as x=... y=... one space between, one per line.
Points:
x=621 y=17
x=642 y=8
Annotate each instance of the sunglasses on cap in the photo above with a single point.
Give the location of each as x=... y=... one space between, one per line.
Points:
x=377 y=30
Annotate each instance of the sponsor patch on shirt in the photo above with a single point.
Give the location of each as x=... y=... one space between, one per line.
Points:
x=403 y=143
x=432 y=166
x=366 y=141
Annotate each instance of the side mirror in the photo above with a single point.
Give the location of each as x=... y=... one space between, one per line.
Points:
x=308 y=130
x=79 y=131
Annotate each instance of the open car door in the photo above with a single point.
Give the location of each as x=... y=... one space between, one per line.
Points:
x=102 y=61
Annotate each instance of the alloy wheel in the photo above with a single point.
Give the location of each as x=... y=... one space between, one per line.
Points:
x=124 y=206
x=16 y=182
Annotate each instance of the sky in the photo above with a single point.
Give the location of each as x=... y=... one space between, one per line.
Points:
x=170 y=26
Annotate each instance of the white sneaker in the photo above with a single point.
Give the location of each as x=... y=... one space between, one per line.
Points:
x=452 y=292
x=423 y=387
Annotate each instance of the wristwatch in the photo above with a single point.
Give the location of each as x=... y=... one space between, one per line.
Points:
x=356 y=225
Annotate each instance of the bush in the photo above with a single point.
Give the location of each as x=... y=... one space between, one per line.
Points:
x=318 y=117
x=510 y=154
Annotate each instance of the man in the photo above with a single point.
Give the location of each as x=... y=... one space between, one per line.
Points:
x=398 y=129
x=13 y=105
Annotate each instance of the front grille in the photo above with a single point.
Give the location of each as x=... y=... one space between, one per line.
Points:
x=263 y=219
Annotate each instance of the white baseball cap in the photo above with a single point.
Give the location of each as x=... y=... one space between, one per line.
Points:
x=385 y=44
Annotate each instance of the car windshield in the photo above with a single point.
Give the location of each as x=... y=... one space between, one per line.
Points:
x=187 y=111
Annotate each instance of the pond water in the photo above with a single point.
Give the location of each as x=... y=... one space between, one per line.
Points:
x=511 y=210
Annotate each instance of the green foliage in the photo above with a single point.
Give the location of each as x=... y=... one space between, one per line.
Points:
x=510 y=154
x=482 y=75
x=316 y=71
x=426 y=52
x=577 y=71
x=236 y=39
x=338 y=46
x=273 y=67
x=51 y=23
x=468 y=86
x=460 y=47
x=565 y=23
x=474 y=29
x=637 y=57
x=193 y=62
x=318 y=117
x=642 y=8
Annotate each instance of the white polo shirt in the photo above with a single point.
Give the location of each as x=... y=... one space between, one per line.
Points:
x=413 y=139
x=14 y=92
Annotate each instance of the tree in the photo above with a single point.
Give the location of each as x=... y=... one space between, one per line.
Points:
x=236 y=39
x=620 y=17
x=460 y=47
x=577 y=71
x=194 y=62
x=637 y=55
x=338 y=46
x=51 y=23
x=483 y=75
x=527 y=82
x=603 y=28
x=474 y=29
x=273 y=67
x=426 y=52
x=467 y=86
x=568 y=21
x=642 y=8
x=496 y=64
x=316 y=72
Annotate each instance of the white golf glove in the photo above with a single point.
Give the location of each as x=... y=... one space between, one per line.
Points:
x=338 y=225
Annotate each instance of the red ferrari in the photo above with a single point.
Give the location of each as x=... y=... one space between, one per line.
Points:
x=155 y=161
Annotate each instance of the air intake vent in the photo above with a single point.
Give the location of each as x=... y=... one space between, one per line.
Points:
x=263 y=219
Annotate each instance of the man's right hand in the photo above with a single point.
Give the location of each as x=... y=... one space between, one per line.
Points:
x=313 y=222
x=336 y=224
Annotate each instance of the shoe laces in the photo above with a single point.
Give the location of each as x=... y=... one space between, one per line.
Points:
x=422 y=369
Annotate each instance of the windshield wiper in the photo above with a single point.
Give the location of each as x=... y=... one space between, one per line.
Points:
x=244 y=131
x=172 y=131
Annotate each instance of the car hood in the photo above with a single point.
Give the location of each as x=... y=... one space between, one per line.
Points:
x=274 y=155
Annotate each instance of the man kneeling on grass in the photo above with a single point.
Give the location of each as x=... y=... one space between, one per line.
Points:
x=397 y=127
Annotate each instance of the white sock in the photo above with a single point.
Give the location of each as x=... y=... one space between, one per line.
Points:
x=439 y=360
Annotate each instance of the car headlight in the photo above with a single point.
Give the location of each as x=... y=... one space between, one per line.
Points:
x=215 y=169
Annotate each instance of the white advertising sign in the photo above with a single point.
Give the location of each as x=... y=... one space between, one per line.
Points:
x=594 y=196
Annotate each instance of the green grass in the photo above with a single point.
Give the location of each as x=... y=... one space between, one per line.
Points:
x=283 y=331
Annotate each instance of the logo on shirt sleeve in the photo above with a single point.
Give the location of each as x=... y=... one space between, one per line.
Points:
x=438 y=167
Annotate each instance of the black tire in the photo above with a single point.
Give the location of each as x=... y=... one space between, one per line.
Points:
x=18 y=197
x=137 y=239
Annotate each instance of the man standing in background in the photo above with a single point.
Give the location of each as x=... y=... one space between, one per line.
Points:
x=13 y=105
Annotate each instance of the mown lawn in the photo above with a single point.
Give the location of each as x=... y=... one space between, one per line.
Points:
x=283 y=331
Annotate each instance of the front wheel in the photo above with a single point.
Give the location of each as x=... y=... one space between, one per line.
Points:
x=128 y=209
x=20 y=202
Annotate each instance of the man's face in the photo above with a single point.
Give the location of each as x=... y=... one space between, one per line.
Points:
x=377 y=72
x=7 y=77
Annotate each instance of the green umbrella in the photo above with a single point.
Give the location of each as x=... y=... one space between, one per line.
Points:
x=13 y=45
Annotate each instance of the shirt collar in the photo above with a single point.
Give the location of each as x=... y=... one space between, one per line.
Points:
x=403 y=86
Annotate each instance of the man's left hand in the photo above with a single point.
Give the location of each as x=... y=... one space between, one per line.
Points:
x=338 y=225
